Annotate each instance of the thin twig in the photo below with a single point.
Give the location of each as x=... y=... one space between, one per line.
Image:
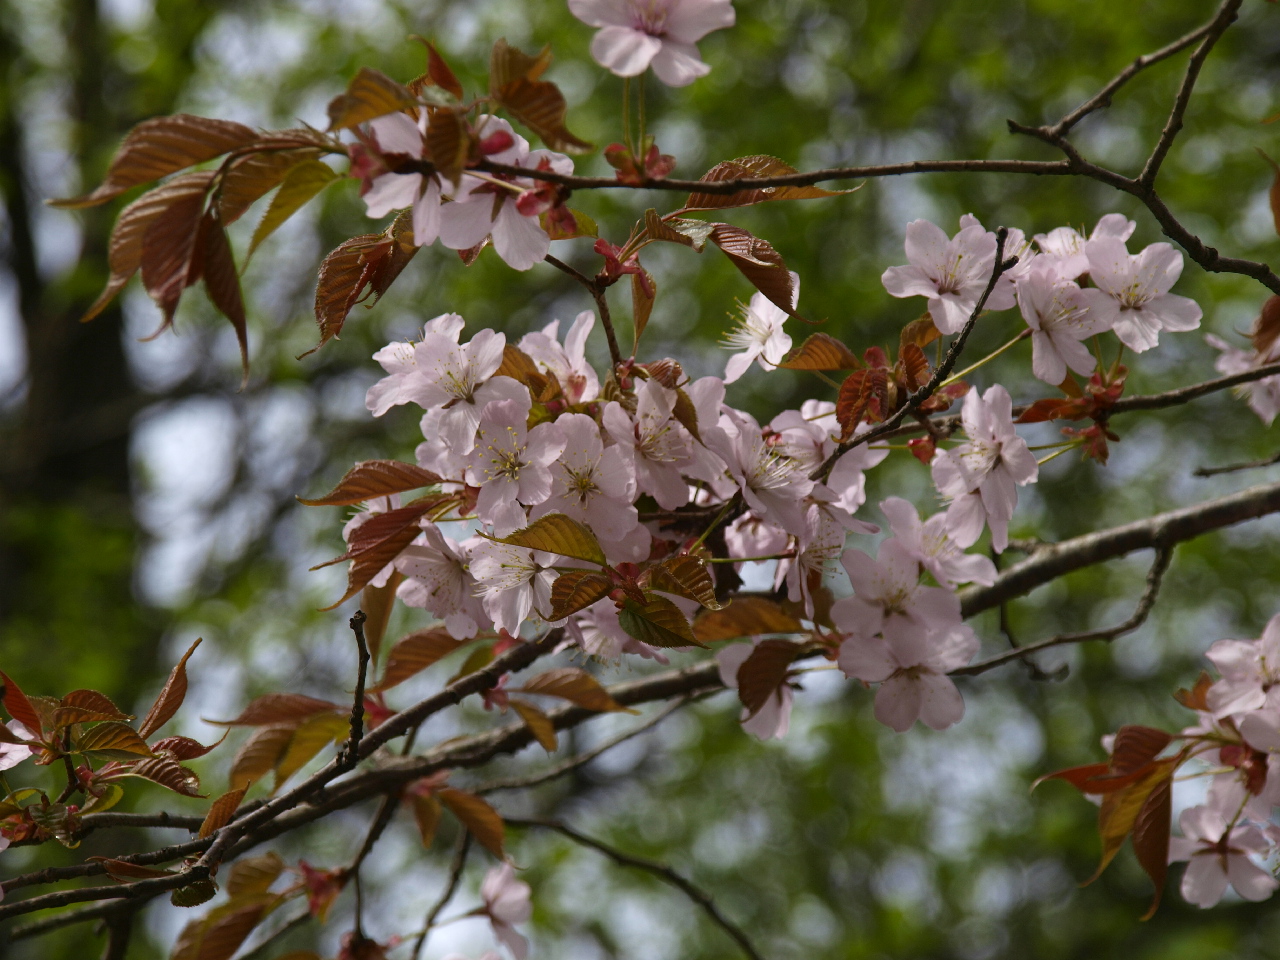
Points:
x=119 y=933
x=260 y=951
x=597 y=291
x=1234 y=467
x=58 y=921
x=1154 y=577
x=351 y=754
x=455 y=875
x=659 y=870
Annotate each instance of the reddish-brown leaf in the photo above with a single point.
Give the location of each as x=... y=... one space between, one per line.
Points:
x=111 y=740
x=183 y=748
x=170 y=261
x=344 y=274
x=378 y=541
x=168 y=773
x=1079 y=777
x=559 y=534
x=1266 y=328
x=750 y=167
x=19 y=707
x=921 y=332
x=759 y=263
x=822 y=352
x=449 y=143
x=221 y=812
x=170 y=698
x=1136 y=746
x=764 y=671
x=250 y=177
x=87 y=706
x=125 y=872
x=576 y=590
x=160 y=146
x=538 y=104
x=254 y=876
x=685 y=576
x=413 y=654
x=745 y=617
x=377 y=604
x=657 y=622
x=1051 y=408
x=309 y=738
x=440 y=73
x=1151 y=837
x=370 y=94
x=539 y=723
x=222 y=280
x=219 y=935
x=1197 y=697
x=426 y=814
x=371 y=479
x=852 y=401
x=576 y=686
x=259 y=754
x=477 y=816
x=915 y=366
x=644 y=290
x=273 y=708
x=1119 y=812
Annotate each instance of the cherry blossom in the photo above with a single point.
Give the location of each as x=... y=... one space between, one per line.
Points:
x=488 y=206
x=396 y=133
x=817 y=548
x=1063 y=247
x=1138 y=286
x=398 y=359
x=1264 y=394
x=589 y=483
x=772 y=484
x=510 y=464
x=568 y=362
x=750 y=535
x=952 y=273
x=848 y=482
x=1218 y=858
x=759 y=335
x=512 y=581
x=772 y=720
x=929 y=544
x=12 y=754
x=655 y=442
x=912 y=673
x=889 y=599
x=1249 y=669
x=598 y=631
x=637 y=34
x=437 y=579
x=506 y=903
x=993 y=462
x=1060 y=316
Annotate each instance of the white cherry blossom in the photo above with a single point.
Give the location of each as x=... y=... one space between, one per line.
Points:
x=568 y=362
x=1249 y=670
x=655 y=442
x=1216 y=859
x=637 y=34
x=1063 y=247
x=773 y=484
x=589 y=483
x=929 y=544
x=506 y=903
x=759 y=335
x=399 y=361
x=1138 y=286
x=1060 y=316
x=889 y=599
x=510 y=464
x=1263 y=394
x=512 y=582
x=437 y=579
x=397 y=133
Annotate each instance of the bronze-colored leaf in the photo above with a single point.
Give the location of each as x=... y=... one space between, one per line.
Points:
x=1197 y=698
x=764 y=671
x=161 y=146
x=1136 y=746
x=309 y=738
x=439 y=72
x=413 y=654
x=1266 y=328
x=752 y=167
x=252 y=876
x=259 y=754
x=556 y=533
x=370 y=94
x=915 y=366
x=168 y=773
x=759 y=263
x=194 y=894
x=170 y=698
x=538 y=104
x=220 y=934
x=87 y=706
x=183 y=748
x=111 y=740
x=449 y=143
x=274 y=708
x=745 y=617
x=822 y=352
x=517 y=365
x=479 y=658
x=378 y=541
x=477 y=816
x=1151 y=837
x=19 y=707
x=371 y=479
x=377 y=604
x=539 y=724
x=221 y=811
x=222 y=280
x=658 y=622
x=576 y=686
x=1119 y=812
x=344 y=274
x=426 y=814
x=169 y=261
x=302 y=183
x=852 y=401
x=644 y=290
x=576 y=590
x=125 y=872
x=689 y=233
x=685 y=576
x=920 y=331
x=250 y=177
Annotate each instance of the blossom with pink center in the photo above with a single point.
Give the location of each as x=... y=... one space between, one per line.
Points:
x=437 y=579
x=1249 y=670
x=1264 y=394
x=773 y=719
x=488 y=206
x=1060 y=316
x=982 y=475
x=803 y=434
x=759 y=335
x=398 y=359
x=589 y=483
x=510 y=464
x=1217 y=858
x=952 y=273
x=773 y=484
x=889 y=599
x=654 y=441
x=1140 y=304
x=1063 y=247
x=912 y=674
x=817 y=548
x=637 y=34
x=396 y=133
x=598 y=631
x=512 y=583
x=506 y=903
x=569 y=362
x=929 y=544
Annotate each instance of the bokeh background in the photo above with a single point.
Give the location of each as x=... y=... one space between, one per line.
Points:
x=145 y=500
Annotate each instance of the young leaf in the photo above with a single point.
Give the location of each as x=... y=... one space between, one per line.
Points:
x=250 y=177
x=254 y=875
x=221 y=811
x=125 y=872
x=222 y=281
x=378 y=541
x=921 y=332
x=576 y=590
x=371 y=479
x=111 y=740
x=1151 y=837
x=194 y=894
x=477 y=816
x=275 y=708
x=658 y=623
x=755 y=166
x=538 y=104
x=556 y=533
x=539 y=724
x=19 y=707
x=759 y=263
x=576 y=686
x=309 y=739
x=449 y=143
x=745 y=617
x=259 y=754
x=377 y=603
x=302 y=183
x=1079 y=777
x=86 y=706
x=426 y=814
x=439 y=72
x=764 y=671
x=822 y=352
x=685 y=576
x=644 y=290
x=688 y=233
x=479 y=658
x=170 y=698
x=915 y=365
x=1137 y=746
x=168 y=773
x=1119 y=811
x=370 y=94
x=169 y=256
x=1197 y=697
x=344 y=274
x=219 y=935
x=413 y=654
x=851 y=403
x=160 y=146
x=183 y=748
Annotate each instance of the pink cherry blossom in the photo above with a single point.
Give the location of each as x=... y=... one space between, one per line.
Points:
x=506 y=903
x=1060 y=316
x=397 y=134
x=12 y=754
x=655 y=442
x=637 y=34
x=512 y=581
x=952 y=273
x=569 y=362
x=773 y=719
x=1249 y=669
x=753 y=536
x=912 y=673
x=437 y=579
x=1063 y=247
x=510 y=464
x=889 y=599
x=774 y=485
x=847 y=481
x=487 y=206
x=929 y=544
x=707 y=396
x=589 y=483
x=1264 y=394
x=398 y=360
x=818 y=546
x=981 y=476
x=1138 y=285
x=1217 y=859
x=759 y=335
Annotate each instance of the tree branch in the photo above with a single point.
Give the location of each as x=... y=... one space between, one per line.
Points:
x=1234 y=467
x=351 y=753
x=455 y=875
x=659 y=870
x=597 y=291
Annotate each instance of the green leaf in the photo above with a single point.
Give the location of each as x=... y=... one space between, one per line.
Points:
x=658 y=623
x=556 y=533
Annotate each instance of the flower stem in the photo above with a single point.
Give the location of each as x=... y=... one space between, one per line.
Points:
x=772 y=556
x=989 y=357
x=713 y=524
x=1058 y=453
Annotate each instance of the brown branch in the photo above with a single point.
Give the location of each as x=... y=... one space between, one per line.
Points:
x=58 y=921
x=119 y=932
x=1234 y=467
x=56 y=874
x=351 y=753
x=1154 y=578
x=597 y=291
x=659 y=870
x=455 y=875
